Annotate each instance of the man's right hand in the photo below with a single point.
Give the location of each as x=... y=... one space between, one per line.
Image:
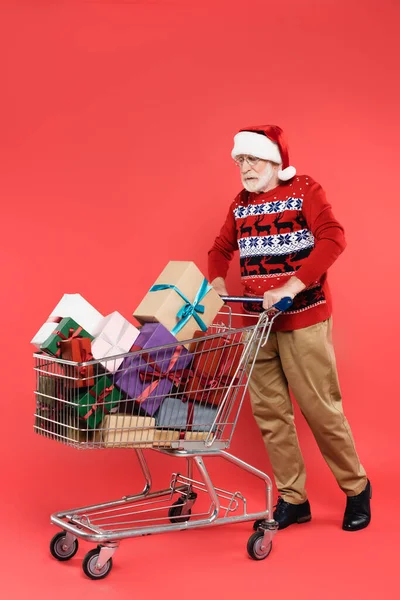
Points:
x=219 y=286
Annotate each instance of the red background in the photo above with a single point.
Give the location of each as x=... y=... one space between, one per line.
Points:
x=116 y=129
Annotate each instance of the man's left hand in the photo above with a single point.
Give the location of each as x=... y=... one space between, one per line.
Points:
x=290 y=289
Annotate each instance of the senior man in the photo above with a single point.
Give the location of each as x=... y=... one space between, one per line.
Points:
x=288 y=237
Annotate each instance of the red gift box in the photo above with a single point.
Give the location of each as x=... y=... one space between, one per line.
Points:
x=214 y=366
x=79 y=350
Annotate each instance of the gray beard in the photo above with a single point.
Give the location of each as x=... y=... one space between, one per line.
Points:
x=259 y=185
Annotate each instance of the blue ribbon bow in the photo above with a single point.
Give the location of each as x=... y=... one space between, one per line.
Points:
x=189 y=309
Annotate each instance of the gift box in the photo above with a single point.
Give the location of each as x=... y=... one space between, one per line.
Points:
x=163 y=438
x=67 y=329
x=148 y=378
x=78 y=350
x=215 y=366
x=70 y=305
x=49 y=388
x=181 y=299
x=175 y=413
x=98 y=401
x=48 y=405
x=114 y=335
x=126 y=431
x=198 y=436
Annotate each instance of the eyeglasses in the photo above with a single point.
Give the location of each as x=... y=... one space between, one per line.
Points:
x=251 y=160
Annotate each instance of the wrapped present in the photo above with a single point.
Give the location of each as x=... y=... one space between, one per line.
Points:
x=163 y=438
x=98 y=401
x=148 y=378
x=77 y=350
x=198 y=436
x=48 y=405
x=128 y=431
x=49 y=387
x=215 y=366
x=175 y=413
x=67 y=329
x=70 y=305
x=181 y=299
x=114 y=335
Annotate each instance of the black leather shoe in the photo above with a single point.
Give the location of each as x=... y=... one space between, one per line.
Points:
x=358 y=510
x=286 y=514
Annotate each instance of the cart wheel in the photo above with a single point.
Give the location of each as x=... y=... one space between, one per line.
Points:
x=175 y=512
x=254 y=546
x=90 y=562
x=58 y=548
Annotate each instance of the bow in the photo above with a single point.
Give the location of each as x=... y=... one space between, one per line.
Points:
x=189 y=309
x=175 y=377
x=72 y=335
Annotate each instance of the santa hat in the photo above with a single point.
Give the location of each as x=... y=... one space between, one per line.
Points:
x=266 y=142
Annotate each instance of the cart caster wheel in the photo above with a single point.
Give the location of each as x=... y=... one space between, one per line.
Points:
x=58 y=548
x=254 y=546
x=90 y=562
x=175 y=512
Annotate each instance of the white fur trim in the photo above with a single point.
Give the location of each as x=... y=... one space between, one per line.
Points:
x=255 y=144
x=286 y=174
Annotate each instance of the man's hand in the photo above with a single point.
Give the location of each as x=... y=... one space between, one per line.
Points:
x=290 y=289
x=219 y=286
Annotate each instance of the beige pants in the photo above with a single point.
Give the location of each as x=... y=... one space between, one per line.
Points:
x=303 y=360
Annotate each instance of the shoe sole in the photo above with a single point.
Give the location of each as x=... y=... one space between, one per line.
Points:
x=298 y=521
x=304 y=519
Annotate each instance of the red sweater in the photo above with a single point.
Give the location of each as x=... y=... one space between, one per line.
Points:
x=287 y=231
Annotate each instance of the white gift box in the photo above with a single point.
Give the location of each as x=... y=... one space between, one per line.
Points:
x=114 y=335
x=75 y=307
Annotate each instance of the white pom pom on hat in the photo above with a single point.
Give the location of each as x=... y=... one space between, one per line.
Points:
x=266 y=142
x=286 y=174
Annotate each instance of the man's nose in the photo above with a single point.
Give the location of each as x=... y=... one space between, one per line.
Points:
x=245 y=167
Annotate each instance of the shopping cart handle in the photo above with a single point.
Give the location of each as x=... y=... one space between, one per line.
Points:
x=282 y=305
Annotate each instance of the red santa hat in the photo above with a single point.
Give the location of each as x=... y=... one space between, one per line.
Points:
x=266 y=142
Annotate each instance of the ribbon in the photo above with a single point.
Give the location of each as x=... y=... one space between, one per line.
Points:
x=84 y=356
x=99 y=401
x=175 y=377
x=189 y=309
x=72 y=335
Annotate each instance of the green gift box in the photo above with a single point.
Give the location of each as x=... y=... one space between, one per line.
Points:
x=98 y=401
x=67 y=329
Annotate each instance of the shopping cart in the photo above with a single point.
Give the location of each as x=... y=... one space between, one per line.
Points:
x=196 y=421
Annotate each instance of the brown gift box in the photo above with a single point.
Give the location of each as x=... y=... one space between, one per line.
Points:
x=198 y=436
x=163 y=306
x=126 y=431
x=78 y=350
x=164 y=437
x=214 y=366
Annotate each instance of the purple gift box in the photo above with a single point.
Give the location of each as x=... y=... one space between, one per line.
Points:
x=148 y=378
